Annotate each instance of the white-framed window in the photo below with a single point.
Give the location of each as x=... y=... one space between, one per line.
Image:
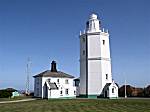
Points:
x=66 y=81
x=66 y=91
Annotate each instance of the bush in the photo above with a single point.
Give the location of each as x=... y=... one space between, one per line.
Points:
x=5 y=94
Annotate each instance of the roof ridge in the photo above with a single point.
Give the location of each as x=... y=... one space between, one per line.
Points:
x=49 y=73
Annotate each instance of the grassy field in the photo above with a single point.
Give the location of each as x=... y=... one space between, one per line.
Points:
x=78 y=105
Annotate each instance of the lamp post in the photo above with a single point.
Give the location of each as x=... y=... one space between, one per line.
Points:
x=125 y=90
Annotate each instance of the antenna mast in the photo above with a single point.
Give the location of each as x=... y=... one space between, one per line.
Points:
x=28 y=71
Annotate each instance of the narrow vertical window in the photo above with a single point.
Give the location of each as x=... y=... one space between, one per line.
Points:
x=67 y=91
x=61 y=92
x=103 y=42
x=106 y=76
x=74 y=92
x=83 y=39
x=99 y=22
x=58 y=81
x=112 y=90
x=83 y=52
x=94 y=26
x=87 y=24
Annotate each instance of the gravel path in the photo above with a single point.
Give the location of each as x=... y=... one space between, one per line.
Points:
x=23 y=100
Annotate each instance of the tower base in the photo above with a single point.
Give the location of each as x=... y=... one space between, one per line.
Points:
x=88 y=96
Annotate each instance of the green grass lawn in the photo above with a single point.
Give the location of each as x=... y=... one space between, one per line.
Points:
x=79 y=105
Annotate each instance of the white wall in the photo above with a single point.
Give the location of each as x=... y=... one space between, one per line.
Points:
x=94 y=46
x=94 y=77
x=55 y=93
x=105 y=49
x=115 y=94
x=99 y=62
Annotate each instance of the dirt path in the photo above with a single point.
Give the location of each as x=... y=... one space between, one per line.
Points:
x=23 y=100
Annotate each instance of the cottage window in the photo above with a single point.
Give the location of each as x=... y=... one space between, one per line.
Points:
x=67 y=91
x=61 y=92
x=66 y=81
x=74 y=92
x=58 y=81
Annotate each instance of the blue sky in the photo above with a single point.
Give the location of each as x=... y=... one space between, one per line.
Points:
x=47 y=30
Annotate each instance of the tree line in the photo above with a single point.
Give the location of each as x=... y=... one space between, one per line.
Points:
x=134 y=91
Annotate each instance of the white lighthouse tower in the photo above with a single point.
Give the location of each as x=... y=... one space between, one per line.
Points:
x=95 y=62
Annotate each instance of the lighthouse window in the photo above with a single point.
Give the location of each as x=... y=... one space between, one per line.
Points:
x=87 y=24
x=103 y=42
x=83 y=52
x=83 y=39
x=106 y=76
x=99 y=22
x=112 y=90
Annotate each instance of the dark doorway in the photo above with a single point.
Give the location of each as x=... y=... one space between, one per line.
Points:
x=45 y=90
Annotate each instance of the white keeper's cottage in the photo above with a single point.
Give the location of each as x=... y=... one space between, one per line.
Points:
x=54 y=84
x=95 y=62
